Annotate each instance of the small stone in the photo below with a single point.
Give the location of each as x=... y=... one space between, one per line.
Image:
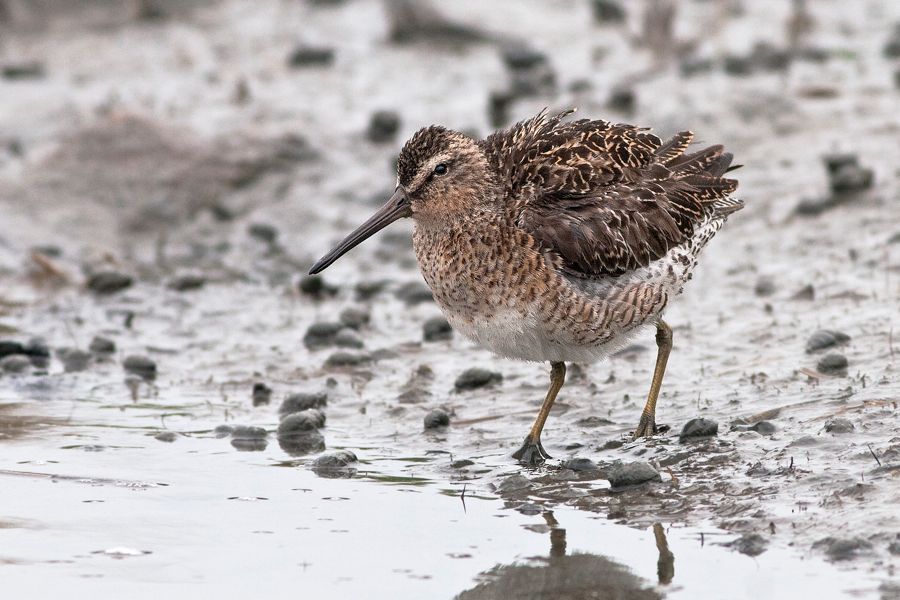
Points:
x=698 y=428
x=315 y=287
x=825 y=338
x=633 y=473
x=839 y=425
x=302 y=401
x=475 y=378
x=102 y=346
x=366 y=290
x=74 y=360
x=261 y=394
x=247 y=438
x=623 y=100
x=695 y=65
x=751 y=544
x=109 y=282
x=892 y=45
x=833 y=363
x=188 y=282
x=141 y=366
x=593 y=421
x=894 y=548
x=337 y=459
x=15 y=363
x=437 y=329
x=414 y=293
x=807 y=292
x=607 y=11
x=845 y=173
x=347 y=338
x=765 y=286
x=737 y=65
x=383 y=126
x=305 y=420
x=165 y=436
x=222 y=431
x=355 y=318
x=310 y=56
x=499 y=103
x=8 y=347
x=838 y=549
x=25 y=70
x=36 y=348
x=436 y=418
x=302 y=441
x=514 y=483
x=580 y=464
x=764 y=428
x=320 y=335
x=263 y=232
x=347 y=359
x=530 y=70
x=462 y=463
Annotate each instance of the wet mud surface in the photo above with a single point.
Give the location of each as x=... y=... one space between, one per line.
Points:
x=181 y=409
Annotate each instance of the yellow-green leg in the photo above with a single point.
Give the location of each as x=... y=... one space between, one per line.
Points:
x=647 y=425
x=532 y=452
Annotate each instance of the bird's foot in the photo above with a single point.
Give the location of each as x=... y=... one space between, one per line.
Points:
x=531 y=453
x=646 y=427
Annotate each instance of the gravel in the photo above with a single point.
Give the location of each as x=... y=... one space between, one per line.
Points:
x=698 y=428
x=436 y=418
x=825 y=338
x=109 y=282
x=141 y=366
x=633 y=473
x=475 y=378
x=436 y=329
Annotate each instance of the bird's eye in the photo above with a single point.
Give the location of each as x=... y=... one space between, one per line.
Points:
x=441 y=169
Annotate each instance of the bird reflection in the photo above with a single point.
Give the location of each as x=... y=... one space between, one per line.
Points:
x=574 y=576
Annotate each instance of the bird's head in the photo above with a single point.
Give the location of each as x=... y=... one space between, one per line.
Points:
x=441 y=175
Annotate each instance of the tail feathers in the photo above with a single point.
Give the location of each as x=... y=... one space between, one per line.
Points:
x=726 y=206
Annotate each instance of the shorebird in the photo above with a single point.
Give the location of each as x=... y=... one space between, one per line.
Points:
x=557 y=241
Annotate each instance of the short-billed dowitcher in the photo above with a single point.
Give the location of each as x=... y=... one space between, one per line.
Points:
x=557 y=241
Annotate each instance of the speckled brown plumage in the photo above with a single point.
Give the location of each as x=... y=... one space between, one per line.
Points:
x=556 y=241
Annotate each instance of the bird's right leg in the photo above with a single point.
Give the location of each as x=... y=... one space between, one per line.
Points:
x=532 y=452
x=647 y=425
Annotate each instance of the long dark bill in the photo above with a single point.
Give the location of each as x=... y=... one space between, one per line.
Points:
x=395 y=208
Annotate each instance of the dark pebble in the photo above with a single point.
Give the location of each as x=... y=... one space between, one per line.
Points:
x=593 y=421
x=25 y=70
x=185 y=283
x=337 y=459
x=36 y=348
x=633 y=473
x=366 y=290
x=737 y=65
x=462 y=463
x=623 y=100
x=519 y=56
x=263 y=232
x=320 y=335
x=414 y=21
x=298 y=443
x=102 y=345
x=825 y=338
x=383 y=126
x=15 y=363
x=305 y=420
x=355 y=318
x=414 y=293
x=302 y=401
x=109 y=282
x=764 y=428
x=698 y=428
x=475 y=378
x=314 y=286
x=436 y=329
x=607 y=11
x=74 y=360
x=347 y=338
x=839 y=425
x=833 y=363
x=499 y=104
x=892 y=45
x=436 y=418
x=751 y=544
x=894 y=548
x=261 y=394
x=141 y=366
x=837 y=549
x=347 y=359
x=765 y=286
x=9 y=347
x=580 y=464
x=165 y=436
x=845 y=174
x=514 y=483
x=807 y=292
x=695 y=65
x=247 y=438
x=769 y=58
x=310 y=56
x=222 y=431
x=530 y=70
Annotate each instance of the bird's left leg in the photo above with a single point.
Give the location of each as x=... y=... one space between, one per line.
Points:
x=532 y=452
x=647 y=425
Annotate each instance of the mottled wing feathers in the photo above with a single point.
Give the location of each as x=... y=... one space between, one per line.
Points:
x=607 y=198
